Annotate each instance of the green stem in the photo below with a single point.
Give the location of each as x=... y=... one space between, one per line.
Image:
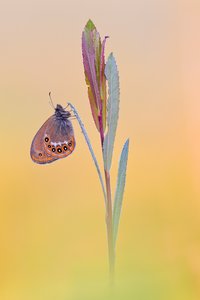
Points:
x=107 y=193
x=109 y=227
x=90 y=148
x=109 y=221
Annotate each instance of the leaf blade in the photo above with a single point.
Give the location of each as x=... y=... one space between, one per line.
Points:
x=94 y=63
x=90 y=42
x=103 y=91
x=121 y=179
x=112 y=76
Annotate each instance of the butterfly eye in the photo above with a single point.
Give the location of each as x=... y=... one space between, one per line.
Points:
x=59 y=150
x=53 y=149
x=70 y=144
x=46 y=139
x=40 y=154
x=65 y=148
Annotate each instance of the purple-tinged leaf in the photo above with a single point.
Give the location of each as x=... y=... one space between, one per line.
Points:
x=90 y=39
x=93 y=105
x=94 y=66
x=102 y=59
x=103 y=82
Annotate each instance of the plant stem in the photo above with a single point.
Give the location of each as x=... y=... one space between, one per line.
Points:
x=101 y=131
x=109 y=225
x=90 y=148
x=107 y=193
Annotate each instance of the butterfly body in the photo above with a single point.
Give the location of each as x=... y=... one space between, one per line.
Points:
x=55 y=139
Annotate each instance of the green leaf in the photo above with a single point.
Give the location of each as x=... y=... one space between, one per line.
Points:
x=112 y=76
x=90 y=25
x=121 y=179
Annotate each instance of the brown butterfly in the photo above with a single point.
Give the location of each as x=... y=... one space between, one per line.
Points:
x=55 y=139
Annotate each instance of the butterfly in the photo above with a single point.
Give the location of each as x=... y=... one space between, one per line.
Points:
x=55 y=139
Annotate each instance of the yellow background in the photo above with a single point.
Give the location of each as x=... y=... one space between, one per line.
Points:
x=52 y=229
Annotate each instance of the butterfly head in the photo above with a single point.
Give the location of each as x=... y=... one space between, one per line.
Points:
x=61 y=113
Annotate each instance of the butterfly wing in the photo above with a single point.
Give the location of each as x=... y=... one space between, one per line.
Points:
x=37 y=152
x=54 y=140
x=59 y=139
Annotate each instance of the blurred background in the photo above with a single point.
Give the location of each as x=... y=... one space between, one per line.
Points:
x=52 y=222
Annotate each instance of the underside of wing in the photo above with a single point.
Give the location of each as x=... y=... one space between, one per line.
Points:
x=54 y=140
x=37 y=151
x=60 y=141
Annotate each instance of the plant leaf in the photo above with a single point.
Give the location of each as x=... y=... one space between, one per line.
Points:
x=103 y=83
x=93 y=105
x=94 y=64
x=112 y=76
x=90 y=25
x=121 y=179
x=90 y=44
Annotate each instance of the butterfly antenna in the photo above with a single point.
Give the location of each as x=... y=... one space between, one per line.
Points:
x=51 y=101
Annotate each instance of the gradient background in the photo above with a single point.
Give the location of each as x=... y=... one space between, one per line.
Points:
x=52 y=229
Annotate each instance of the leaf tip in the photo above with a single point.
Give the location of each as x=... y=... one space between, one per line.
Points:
x=90 y=25
x=126 y=147
x=111 y=59
x=111 y=55
x=127 y=142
